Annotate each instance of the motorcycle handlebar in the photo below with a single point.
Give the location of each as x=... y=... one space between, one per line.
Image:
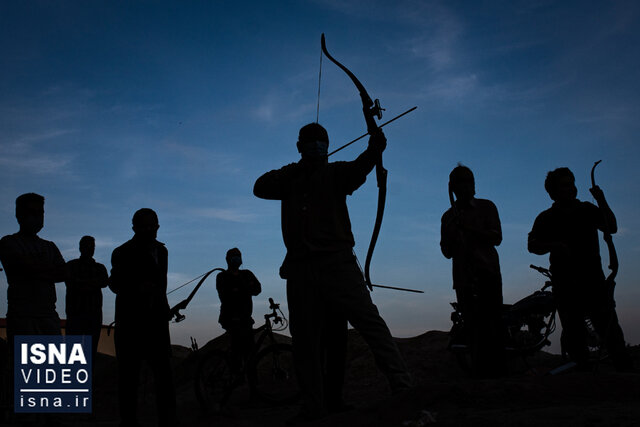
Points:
x=539 y=269
x=544 y=271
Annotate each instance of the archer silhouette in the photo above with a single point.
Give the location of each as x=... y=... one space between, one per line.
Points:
x=139 y=280
x=568 y=232
x=85 y=280
x=235 y=289
x=320 y=267
x=470 y=231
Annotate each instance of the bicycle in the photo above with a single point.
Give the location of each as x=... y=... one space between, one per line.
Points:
x=270 y=361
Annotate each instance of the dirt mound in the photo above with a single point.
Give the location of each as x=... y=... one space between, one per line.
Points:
x=443 y=393
x=529 y=396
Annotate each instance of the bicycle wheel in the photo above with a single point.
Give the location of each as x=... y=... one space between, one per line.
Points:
x=275 y=381
x=213 y=381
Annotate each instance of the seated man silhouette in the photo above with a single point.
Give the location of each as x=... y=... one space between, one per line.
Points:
x=321 y=270
x=236 y=288
x=568 y=232
x=85 y=280
x=470 y=233
x=139 y=280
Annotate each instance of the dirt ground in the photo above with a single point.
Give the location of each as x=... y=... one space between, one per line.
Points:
x=443 y=396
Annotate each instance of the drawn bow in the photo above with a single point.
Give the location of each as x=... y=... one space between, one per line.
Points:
x=371 y=109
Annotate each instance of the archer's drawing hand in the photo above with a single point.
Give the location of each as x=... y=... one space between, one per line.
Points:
x=377 y=141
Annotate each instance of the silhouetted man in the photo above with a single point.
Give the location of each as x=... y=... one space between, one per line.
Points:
x=470 y=232
x=85 y=280
x=33 y=266
x=568 y=232
x=139 y=279
x=321 y=270
x=235 y=289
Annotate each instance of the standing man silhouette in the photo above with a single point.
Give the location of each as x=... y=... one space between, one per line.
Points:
x=568 y=232
x=139 y=280
x=85 y=280
x=33 y=266
x=320 y=268
x=236 y=288
x=470 y=232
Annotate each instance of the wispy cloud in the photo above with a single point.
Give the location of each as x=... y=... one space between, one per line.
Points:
x=453 y=88
x=134 y=108
x=433 y=38
x=42 y=136
x=202 y=158
x=225 y=214
x=37 y=127
x=283 y=103
x=105 y=242
x=435 y=28
x=612 y=114
x=437 y=37
x=22 y=156
x=265 y=111
x=358 y=8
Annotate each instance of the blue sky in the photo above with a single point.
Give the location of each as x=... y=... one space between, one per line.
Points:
x=107 y=107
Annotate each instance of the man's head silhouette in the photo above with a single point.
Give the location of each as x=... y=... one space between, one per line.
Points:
x=462 y=183
x=87 y=246
x=30 y=213
x=313 y=142
x=234 y=259
x=145 y=224
x=560 y=184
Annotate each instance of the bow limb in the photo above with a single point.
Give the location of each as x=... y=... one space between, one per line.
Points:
x=593 y=173
x=381 y=174
x=175 y=310
x=370 y=109
x=606 y=235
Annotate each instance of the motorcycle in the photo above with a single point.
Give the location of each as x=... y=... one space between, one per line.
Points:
x=527 y=324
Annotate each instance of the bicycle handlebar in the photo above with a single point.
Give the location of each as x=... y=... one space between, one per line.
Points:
x=277 y=319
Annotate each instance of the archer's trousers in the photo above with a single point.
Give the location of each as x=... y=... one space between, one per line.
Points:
x=318 y=286
x=594 y=301
x=481 y=307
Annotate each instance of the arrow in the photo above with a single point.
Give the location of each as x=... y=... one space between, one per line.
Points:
x=381 y=126
x=398 y=289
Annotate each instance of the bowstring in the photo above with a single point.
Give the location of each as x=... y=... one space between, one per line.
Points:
x=319 y=81
x=185 y=284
